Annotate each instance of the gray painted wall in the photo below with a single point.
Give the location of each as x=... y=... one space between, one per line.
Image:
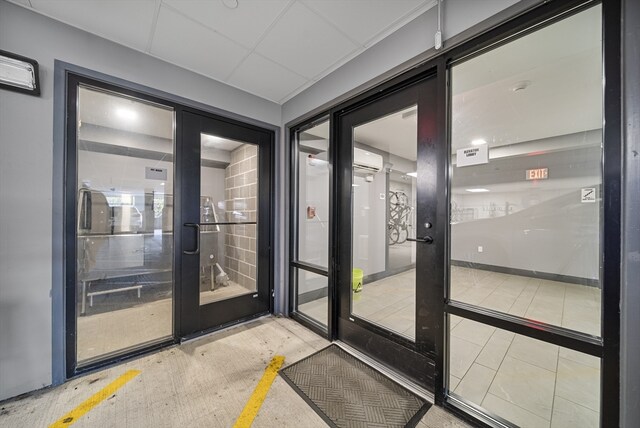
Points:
x=27 y=167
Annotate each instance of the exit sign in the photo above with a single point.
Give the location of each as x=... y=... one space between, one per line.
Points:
x=537 y=174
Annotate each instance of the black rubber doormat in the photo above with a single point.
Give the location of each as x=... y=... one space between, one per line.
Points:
x=347 y=393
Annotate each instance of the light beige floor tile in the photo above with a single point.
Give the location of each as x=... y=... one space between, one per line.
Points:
x=454 y=321
x=571 y=415
x=578 y=383
x=473 y=332
x=494 y=351
x=462 y=354
x=536 y=352
x=316 y=309
x=522 y=303
x=513 y=413
x=475 y=384
x=453 y=382
x=579 y=357
x=525 y=385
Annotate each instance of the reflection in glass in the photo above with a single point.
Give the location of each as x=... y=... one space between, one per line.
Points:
x=125 y=224
x=523 y=380
x=526 y=217
x=228 y=218
x=313 y=195
x=383 y=217
x=313 y=219
x=312 y=295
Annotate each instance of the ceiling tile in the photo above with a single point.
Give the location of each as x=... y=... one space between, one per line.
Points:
x=265 y=78
x=304 y=42
x=128 y=23
x=245 y=24
x=183 y=42
x=363 y=20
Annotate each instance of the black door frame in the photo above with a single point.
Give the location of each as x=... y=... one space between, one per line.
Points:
x=72 y=81
x=414 y=359
x=608 y=346
x=197 y=319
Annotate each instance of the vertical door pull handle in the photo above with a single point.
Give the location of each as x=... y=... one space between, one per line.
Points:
x=196 y=226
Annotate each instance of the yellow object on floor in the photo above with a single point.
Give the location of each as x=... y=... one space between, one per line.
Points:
x=252 y=407
x=94 y=400
x=356 y=281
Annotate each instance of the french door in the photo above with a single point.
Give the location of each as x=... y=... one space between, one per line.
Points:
x=224 y=200
x=167 y=223
x=390 y=229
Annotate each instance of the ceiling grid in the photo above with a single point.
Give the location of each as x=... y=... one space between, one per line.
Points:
x=274 y=49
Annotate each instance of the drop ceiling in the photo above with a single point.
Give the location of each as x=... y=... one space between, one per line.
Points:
x=271 y=48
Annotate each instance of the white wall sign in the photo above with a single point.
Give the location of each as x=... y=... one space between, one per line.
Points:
x=472 y=156
x=588 y=195
x=155 y=173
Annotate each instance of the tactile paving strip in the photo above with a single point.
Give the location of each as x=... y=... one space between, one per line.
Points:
x=347 y=393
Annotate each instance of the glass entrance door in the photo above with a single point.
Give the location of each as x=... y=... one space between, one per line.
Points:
x=388 y=164
x=224 y=224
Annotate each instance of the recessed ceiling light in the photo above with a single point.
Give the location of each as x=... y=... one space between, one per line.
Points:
x=231 y=4
x=522 y=85
x=162 y=184
x=479 y=142
x=477 y=190
x=412 y=174
x=126 y=113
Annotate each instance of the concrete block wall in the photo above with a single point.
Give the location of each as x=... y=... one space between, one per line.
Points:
x=241 y=190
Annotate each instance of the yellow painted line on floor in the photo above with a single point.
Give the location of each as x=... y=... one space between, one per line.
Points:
x=94 y=400
x=252 y=407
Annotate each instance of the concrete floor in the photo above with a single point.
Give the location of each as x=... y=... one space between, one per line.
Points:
x=202 y=383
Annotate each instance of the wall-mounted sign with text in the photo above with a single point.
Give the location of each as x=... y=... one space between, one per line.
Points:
x=588 y=195
x=472 y=156
x=537 y=174
x=151 y=173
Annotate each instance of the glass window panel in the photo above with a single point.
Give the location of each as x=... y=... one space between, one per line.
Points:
x=523 y=380
x=312 y=295
x=313 y=195
x=383 y=217
x=125 y=224
x=526 y=176
x=229 y=194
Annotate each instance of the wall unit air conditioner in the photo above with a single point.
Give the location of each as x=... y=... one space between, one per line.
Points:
x=367 y=161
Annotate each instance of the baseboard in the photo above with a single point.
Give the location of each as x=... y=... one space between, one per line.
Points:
x=529 y=273
x=312 y=295
x=387 y=273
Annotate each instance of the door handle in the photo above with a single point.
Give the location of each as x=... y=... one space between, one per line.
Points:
x=196 y=226
x=426 y=240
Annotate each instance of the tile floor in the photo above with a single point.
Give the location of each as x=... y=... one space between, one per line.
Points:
x=201 y=383
x=529 y=382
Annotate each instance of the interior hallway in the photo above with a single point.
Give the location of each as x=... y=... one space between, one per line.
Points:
x=202 y=383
